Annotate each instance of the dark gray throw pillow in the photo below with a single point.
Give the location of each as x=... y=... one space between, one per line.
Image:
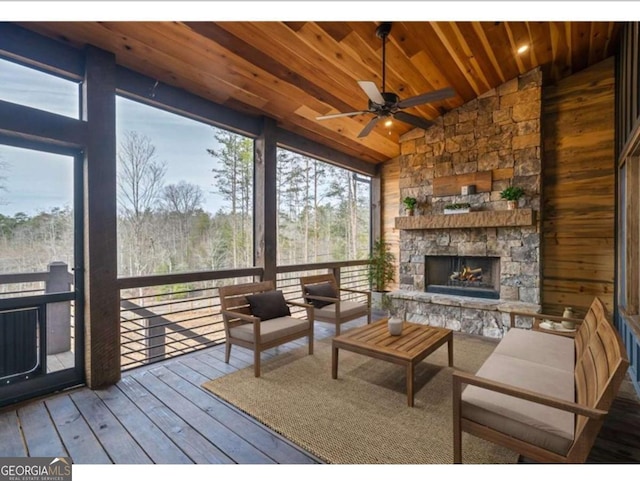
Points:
x=323 y=290
x=268 y=305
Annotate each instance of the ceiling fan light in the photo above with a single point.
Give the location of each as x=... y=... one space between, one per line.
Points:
x=523 y=48
x=388 y=123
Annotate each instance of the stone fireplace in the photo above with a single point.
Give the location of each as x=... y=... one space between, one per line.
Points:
x=468 y=276
x=495 y=141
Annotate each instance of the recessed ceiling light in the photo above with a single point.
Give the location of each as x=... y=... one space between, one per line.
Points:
x=523 y=48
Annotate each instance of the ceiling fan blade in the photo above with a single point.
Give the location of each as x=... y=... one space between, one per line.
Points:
x=372 y=91
x=368 y=127
x=434 y=96
x=413 y=120
x=346 y=114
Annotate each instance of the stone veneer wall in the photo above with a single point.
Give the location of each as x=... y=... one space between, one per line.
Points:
x=498 y=132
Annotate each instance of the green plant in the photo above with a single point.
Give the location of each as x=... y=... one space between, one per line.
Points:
x=410 y=202
x=512 y=193
x=381 y=266
x=463 y=205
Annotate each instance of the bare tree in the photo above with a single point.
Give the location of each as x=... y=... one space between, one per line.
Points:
x=140 y=182
x=183 y=198
x=141 y=176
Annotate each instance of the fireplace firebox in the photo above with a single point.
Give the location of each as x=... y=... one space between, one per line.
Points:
x=469 y=276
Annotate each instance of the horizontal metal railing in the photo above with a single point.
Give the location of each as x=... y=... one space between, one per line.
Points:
x=169 y=315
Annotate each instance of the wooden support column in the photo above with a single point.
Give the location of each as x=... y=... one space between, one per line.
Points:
x=265 y=205
x=102 y=298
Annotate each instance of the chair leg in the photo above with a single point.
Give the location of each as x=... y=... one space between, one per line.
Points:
x=256 y=362
x=227 y=351
x=369 y=316
x=310 y=341
x=337 y=329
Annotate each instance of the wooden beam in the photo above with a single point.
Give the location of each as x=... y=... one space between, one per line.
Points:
x=34 y=124
x=265 y=202
x=102 y=298
x=34 y=50
x=301 y=145
x=147 y=90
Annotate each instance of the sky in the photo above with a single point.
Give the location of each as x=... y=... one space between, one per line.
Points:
x=37 y=181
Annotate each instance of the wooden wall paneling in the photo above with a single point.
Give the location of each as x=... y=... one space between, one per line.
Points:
x=102 y=297
x=579 y=190
x=390 y=200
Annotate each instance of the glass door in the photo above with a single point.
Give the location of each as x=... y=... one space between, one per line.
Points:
x=41 y=310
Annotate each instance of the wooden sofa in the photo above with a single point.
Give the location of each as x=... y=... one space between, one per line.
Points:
x=543 y=395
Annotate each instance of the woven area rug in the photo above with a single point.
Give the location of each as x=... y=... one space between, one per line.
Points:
x=362 y=417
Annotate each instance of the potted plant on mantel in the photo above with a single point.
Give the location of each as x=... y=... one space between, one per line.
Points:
x=512 y=195
x=381 y=272
x=410 y=204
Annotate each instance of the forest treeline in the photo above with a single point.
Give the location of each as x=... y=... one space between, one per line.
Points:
x=323 y=215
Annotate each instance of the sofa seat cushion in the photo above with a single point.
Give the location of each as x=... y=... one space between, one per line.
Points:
x=539 y=347
x=271 y=330
x=348 y=310
x=543 y=426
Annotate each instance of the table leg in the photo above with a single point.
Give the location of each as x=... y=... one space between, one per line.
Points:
x=334 y=362
x=450 y=348
x=410 y=384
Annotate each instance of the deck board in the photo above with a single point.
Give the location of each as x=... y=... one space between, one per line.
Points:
x=188 y=382
x=120 y=445
x=82 y=445
x=40 y=434
x=11 y=444
x=226 y=440
x=155 y=443
x=109 y=426
x=192 y=443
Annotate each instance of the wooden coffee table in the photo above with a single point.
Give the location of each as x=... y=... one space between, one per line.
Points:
x=415 y=343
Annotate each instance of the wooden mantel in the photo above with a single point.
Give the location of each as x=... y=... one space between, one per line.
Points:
x=485 y=218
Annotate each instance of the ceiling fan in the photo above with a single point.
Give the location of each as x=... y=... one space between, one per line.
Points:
x=388 y=104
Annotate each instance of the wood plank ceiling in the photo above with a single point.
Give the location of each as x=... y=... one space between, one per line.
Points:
x=296 y=71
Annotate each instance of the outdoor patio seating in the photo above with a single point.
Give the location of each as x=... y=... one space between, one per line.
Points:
x=324 y=294
x=256 y=316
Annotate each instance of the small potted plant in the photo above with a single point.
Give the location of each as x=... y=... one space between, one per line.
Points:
x=410 y=204
x=512 y=195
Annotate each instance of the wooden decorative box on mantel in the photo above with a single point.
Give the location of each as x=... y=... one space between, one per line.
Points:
x=484 y=218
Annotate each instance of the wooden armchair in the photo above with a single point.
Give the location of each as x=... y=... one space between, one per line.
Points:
x=257 y=317
x=323 y=293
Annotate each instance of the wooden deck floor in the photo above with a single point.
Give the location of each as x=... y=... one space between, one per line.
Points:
x=160 y=414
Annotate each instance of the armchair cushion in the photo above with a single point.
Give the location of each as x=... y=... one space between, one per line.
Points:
x=323 y=290
x=268 y=305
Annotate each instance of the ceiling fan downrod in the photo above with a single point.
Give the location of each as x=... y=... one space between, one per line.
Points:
x=382 y=32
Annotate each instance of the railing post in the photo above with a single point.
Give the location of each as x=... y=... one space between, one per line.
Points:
x=58 y=313
x=154 y=338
